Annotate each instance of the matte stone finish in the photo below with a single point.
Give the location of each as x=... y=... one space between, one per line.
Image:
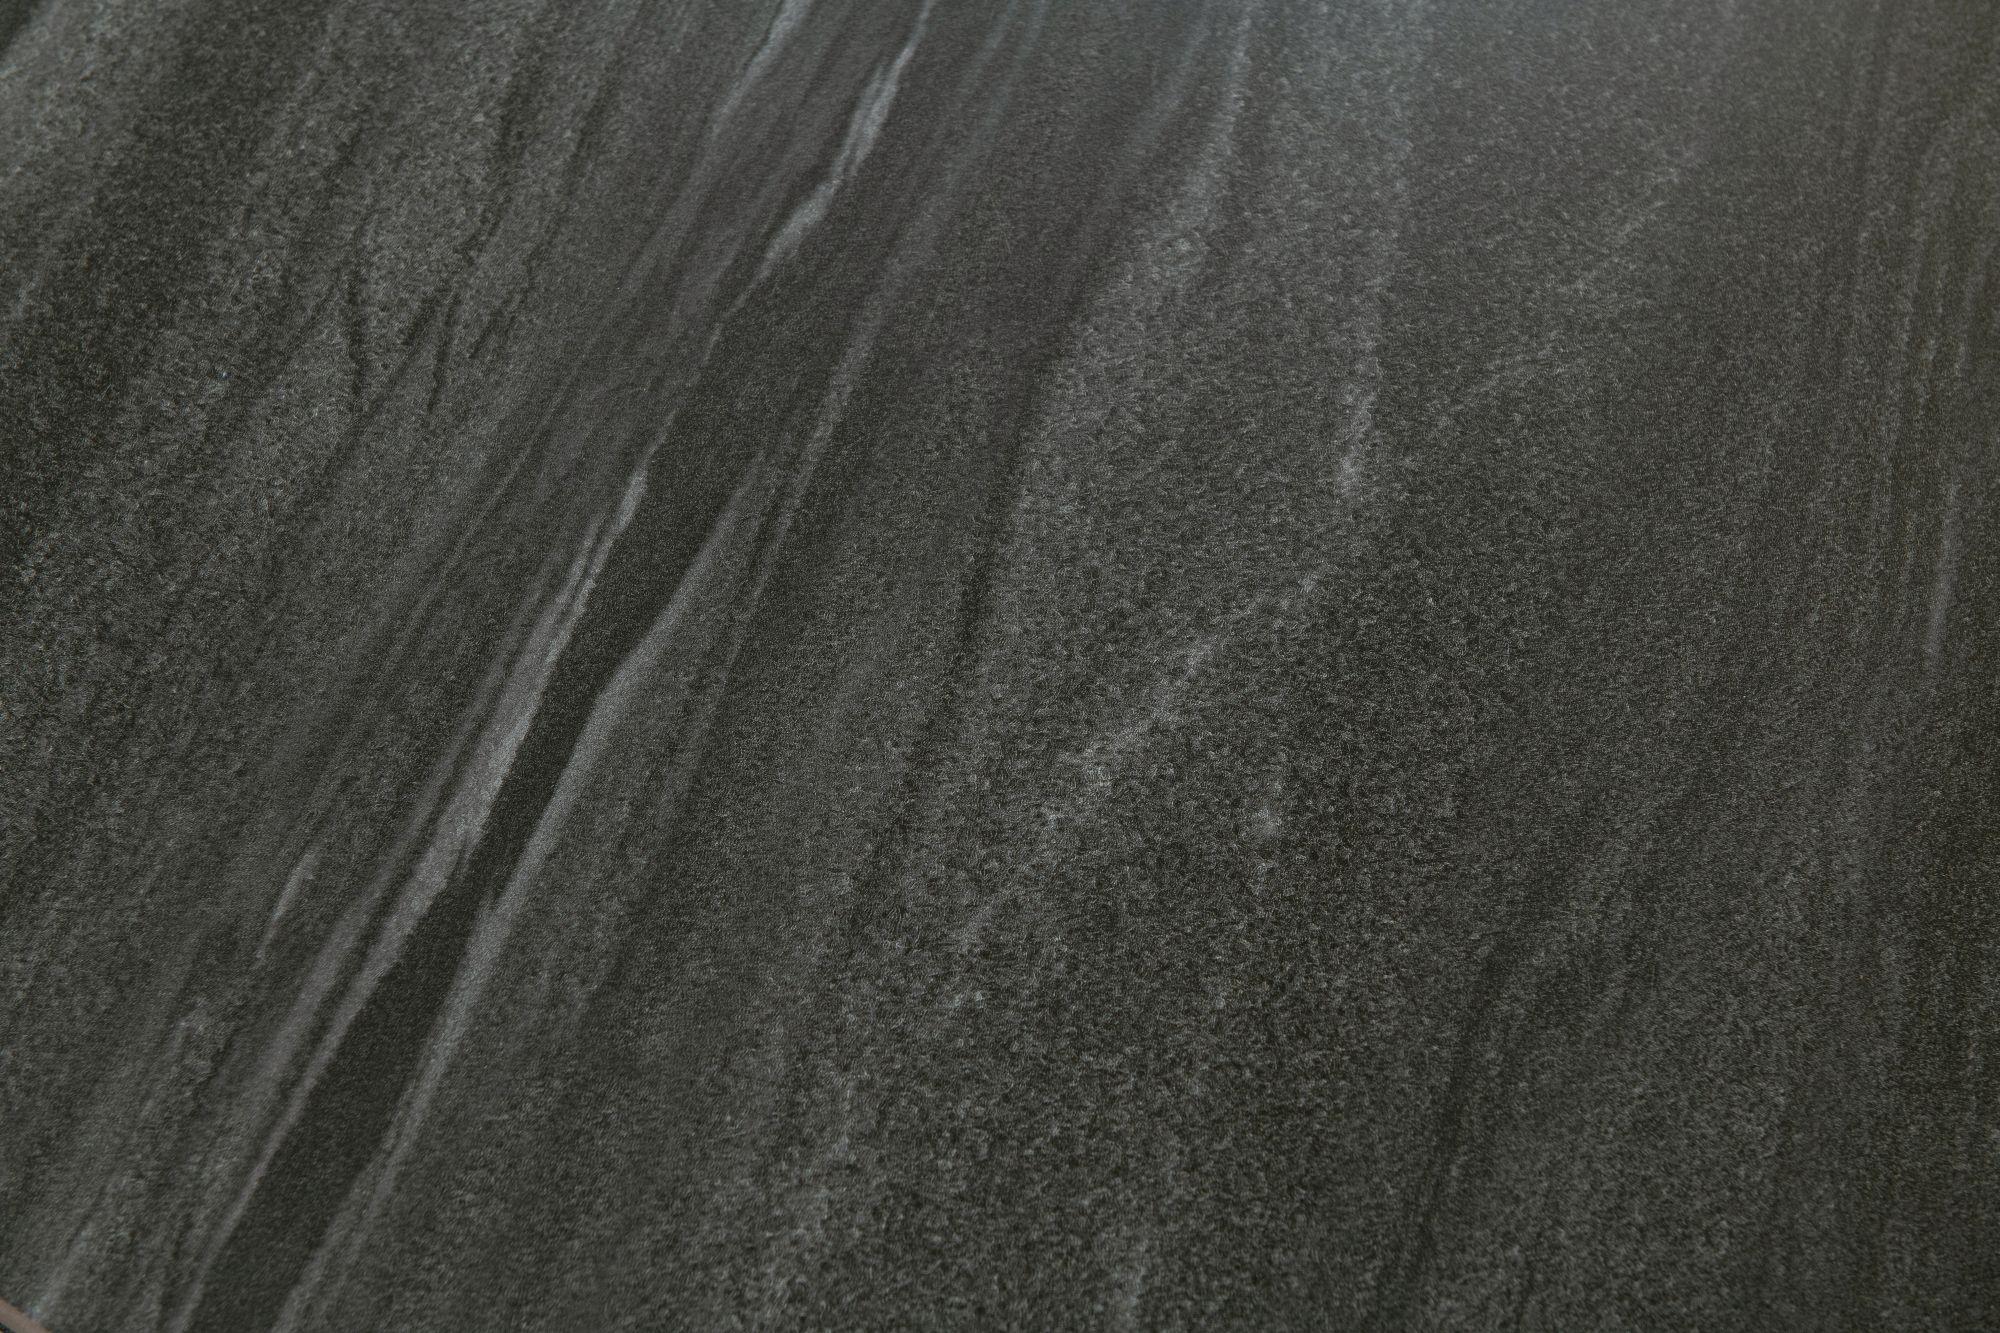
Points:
x=958 y=663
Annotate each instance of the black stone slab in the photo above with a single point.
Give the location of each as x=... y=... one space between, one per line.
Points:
x=924 y=664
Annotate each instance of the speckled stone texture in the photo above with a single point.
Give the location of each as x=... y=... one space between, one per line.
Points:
x=984 y=664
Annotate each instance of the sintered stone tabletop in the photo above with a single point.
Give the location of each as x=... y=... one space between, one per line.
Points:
x=865 y=664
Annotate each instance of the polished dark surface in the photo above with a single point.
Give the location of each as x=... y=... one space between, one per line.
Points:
x=1000 y=664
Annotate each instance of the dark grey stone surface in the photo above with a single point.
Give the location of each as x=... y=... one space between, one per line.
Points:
x=1032 y=664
